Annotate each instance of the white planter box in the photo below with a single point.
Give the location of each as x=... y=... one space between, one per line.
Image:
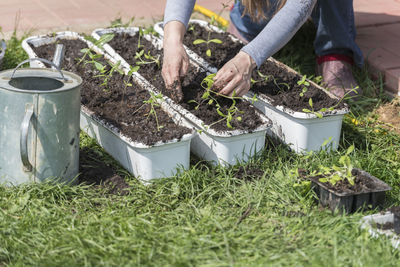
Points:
x=147 y=162
x=302 y=131
x=368 y=223
x=159 y=28
x=228 y=147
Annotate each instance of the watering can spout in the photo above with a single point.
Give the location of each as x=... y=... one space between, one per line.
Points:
x=58 y=56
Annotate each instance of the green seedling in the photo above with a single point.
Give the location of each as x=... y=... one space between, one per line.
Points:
x=148 y=58
x=207 y=42
x=140 y=33
x=316 y=113
x=107 y=73
x=153 y=102
x=150 y=30
x=330 y=175
x=127 y=83
x=335 y=173
x=191 y=28
x=209 y=98
x=267 y=78
x=88 y=52
x=303 y=82
x=319 y=113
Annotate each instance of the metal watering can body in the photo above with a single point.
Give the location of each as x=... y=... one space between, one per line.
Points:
x=39 y=125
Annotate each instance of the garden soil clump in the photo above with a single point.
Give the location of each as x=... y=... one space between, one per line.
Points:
x=249 y=173
x=120 y=105
x=126 y=46
x=96 y=172
x=281 y=86
x=361 y=183
x=220 y=53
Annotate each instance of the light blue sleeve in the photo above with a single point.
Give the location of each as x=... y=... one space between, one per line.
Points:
x=179 y=10
x=279 y=30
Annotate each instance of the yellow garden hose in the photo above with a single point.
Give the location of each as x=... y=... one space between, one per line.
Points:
x=211 y=14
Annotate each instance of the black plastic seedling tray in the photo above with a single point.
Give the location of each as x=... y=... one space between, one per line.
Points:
x=350 y=201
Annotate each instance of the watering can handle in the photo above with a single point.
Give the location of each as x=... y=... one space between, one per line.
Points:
x=41 y=60
x=23 y=141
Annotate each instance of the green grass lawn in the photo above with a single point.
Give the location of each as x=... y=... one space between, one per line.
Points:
x=206 y=215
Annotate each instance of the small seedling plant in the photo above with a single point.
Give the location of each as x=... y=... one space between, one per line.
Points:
x=331 y=175
x=306 y=84
x=303 y=82
x=143 y=58
x=319 y=113
x=107 y=71
x=153 y=102
x=267 y=78
x=335 y=173
x=88 y=52
x=207 y=42
x=210 y=97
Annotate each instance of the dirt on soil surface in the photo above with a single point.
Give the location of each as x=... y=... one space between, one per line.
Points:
x=249 y=173
x=126 y=46
x=95 y=172
x=385 y=226
x=361 y=183
x=390 y=114
x=283 y=88
x=120 y=105
x=220 y=53
x=275 y=82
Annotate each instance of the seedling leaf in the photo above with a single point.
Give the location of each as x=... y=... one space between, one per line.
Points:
x=198 y=41
x=217 y=41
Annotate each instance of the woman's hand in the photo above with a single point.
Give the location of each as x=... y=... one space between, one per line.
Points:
x=234 y=78
x=176 y=60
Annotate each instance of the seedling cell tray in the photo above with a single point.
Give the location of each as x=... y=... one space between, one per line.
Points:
x=302 y=131
x=226 y=148
x=147 y=162
x=351 y=201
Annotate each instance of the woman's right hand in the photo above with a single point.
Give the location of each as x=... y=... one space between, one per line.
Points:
x=176 y=60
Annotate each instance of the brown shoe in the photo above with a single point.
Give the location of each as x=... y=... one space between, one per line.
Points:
x=338 y=79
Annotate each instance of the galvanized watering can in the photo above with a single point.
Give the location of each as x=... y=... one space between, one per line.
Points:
x=39 y=124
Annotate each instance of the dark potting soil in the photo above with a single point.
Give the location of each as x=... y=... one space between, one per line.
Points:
x=94 y=171
x=120 y=105
x=249 y=173
x=220 y=53
x=385 y=226
x=361 y=183
x=126 y=46
x=390 y=225
x=281 y=86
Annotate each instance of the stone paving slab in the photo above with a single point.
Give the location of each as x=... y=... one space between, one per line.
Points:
x=378 y=23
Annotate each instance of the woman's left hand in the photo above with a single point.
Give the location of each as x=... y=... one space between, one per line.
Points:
x=234 y=78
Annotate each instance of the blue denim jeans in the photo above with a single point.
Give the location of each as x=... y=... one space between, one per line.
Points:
x=334 y=20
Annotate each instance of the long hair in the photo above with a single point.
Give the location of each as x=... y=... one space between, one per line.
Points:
x=255 y=8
